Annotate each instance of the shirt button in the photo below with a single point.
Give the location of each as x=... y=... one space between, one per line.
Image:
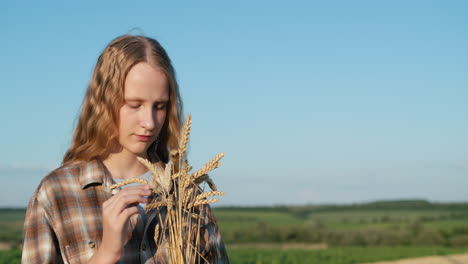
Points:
x=143 y=247
x=91 y=244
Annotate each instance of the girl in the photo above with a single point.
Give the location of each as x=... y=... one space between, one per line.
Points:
x=132 y=108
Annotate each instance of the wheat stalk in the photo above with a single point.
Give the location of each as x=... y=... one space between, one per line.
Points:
x=211 y=165
x=208 y=180
x=178 y=191
x=206 y=194
x=187 y=197
x=156 y=233
x=155 y=205
x=128 y=181
x=185 y=136
x=211 y=184
x=149 y=165
x=204 y=201
x=176 y=175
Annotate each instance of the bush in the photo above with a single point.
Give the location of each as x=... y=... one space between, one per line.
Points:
x=429 y=238
x=459 y=241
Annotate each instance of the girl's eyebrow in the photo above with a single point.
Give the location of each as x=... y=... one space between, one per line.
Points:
x=135 y=99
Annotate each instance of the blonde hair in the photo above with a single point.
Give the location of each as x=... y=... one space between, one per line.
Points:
x=97 y=127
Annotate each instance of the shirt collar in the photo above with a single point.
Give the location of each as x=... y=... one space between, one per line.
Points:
x=93 y=172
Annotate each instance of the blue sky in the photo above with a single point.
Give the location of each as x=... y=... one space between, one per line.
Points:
x=312 y=101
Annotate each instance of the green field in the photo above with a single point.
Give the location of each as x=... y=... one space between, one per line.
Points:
x=341 y=255
x=347 y=233
x=11 y=225
x=403 y=223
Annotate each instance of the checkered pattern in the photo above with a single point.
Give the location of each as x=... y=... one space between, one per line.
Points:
x=64 y=221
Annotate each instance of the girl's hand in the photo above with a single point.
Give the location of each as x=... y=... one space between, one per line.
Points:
x=116 y=213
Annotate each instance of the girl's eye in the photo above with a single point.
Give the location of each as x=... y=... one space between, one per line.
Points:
x=160 y=106
x=134 y=106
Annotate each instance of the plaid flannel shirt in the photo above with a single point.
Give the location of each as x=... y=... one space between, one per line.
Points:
x=64 y=221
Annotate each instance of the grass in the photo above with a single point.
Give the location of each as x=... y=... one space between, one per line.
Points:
x=10 y=256
x=439 y=229
x=11 y=225
x=246 y=220
x=342 y=255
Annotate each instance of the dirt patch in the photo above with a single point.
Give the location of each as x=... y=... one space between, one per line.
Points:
x=6 y=245
x=450 y=259
x=281 y=246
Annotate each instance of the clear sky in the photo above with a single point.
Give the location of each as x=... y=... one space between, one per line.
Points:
x=312 y=101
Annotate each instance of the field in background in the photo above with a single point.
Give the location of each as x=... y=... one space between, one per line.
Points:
x=333 y=234
x=395 y=223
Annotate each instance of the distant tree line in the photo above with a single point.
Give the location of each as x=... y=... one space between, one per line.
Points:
x=371 y=206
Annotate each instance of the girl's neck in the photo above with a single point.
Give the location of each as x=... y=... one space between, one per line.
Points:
x=124 y=165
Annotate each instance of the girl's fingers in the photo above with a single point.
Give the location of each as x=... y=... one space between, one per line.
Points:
x=128 y=200
x=139 y=187
x=141 y=190
x=125 y=198
x=117 y=211
x=127 y=212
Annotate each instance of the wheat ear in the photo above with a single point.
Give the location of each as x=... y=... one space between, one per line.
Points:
x=155 y=205
x=211 y=165
x=211 y=184
x=206 y=201
x=185 y=136
x=128 y=181
x=187 y=196
x=187 y=166
x=208 y=180
x=206 y=194
x=148 y=165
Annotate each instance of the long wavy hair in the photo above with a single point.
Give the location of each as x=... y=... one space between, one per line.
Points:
x=97 y=128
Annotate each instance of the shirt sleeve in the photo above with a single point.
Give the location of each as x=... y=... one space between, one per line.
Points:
x=40 y=244
x=214 y=249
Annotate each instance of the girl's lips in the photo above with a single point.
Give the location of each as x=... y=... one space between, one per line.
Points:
x=143 y=138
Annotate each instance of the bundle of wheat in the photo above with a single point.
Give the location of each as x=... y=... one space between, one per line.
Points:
x=179 y=202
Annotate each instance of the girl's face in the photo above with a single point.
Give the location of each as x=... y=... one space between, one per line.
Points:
x=144 y=110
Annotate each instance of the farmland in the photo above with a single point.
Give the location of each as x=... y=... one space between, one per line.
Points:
x=331 y=234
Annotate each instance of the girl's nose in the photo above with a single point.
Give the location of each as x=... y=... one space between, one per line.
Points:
x=148 y=120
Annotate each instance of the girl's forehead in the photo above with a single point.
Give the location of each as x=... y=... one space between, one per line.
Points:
x=144 y=82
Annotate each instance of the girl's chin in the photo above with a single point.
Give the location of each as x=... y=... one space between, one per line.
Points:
x=138 y=150
x=140 y=153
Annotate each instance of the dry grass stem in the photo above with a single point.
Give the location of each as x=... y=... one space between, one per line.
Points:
x=156 y=233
